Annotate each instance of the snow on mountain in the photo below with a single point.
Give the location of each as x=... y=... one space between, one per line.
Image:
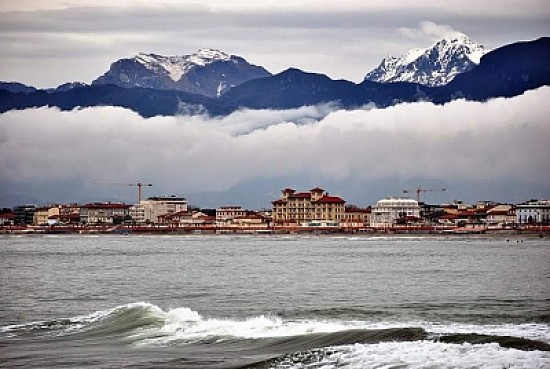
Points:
x=177 y=66
x=208 y=72
x=434 y=66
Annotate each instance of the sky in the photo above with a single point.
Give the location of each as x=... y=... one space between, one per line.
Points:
x=45 y=43
x=494 y=150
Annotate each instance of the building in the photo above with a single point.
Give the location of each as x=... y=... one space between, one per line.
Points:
x=501 y=216
x=24 y=214
x=313 y=208
x=394 y=210
x=251 y=219
x=57 y=214
x=226 y=215
x=533 y=212
x=40 y=216
x=7 y=218
x=356 y=217
x=104 y=213
x=187 y=219
x=151 y=209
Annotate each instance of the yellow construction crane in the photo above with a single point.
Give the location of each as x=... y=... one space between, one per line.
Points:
x=418 y=190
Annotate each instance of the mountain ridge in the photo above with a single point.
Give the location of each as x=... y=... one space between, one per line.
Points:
x=504 y=72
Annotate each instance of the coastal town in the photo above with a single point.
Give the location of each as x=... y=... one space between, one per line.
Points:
x=313 y=211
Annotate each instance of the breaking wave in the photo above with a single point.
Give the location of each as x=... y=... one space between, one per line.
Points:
x=302 y=343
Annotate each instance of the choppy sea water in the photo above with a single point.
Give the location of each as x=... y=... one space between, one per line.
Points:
x=274 y=302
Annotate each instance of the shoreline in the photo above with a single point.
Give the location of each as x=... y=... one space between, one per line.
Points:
x=528 y=231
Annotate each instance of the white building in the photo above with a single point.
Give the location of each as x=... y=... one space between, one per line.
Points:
x=533 y=212
x=151 y=209
x=388 y=211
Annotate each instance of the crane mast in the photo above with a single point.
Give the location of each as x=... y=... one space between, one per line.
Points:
x=139 y=185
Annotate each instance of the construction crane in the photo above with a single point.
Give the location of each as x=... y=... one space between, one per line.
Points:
x=139 y=185
x=418 y=190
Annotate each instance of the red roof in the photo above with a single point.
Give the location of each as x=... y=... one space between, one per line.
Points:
x=331 y=199
x=498 y=212
x=301 y=195
x=353 y=209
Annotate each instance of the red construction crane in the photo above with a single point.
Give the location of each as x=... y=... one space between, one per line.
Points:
x=418 y=190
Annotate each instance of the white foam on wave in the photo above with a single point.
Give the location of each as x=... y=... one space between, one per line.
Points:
x=186 y=325
x=426 y=354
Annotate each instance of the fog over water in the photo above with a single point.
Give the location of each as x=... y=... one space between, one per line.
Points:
x=48 y=154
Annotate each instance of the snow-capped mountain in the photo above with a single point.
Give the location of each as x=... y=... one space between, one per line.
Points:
x=207 y=72
x=434 y=66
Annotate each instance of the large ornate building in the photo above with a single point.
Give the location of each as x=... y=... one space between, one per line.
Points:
x=313 y=208
x=532 y=212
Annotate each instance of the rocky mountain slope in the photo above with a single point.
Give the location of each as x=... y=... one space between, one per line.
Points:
x=434 y=66
x=207 y=72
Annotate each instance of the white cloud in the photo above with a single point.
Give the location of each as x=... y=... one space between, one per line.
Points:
x=499 y=139
x=431 y=31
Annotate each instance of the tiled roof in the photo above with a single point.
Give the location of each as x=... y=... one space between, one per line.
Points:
x=331 y=199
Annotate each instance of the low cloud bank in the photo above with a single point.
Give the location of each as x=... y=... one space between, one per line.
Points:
x=499 y=139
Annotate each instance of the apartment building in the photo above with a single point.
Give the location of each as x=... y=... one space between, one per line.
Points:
x=104 y=213
x=313 y=208
x=226 y=215
x=356 y=217
x=151 y=209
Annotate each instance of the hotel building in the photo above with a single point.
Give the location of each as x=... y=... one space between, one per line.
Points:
x=313 y=208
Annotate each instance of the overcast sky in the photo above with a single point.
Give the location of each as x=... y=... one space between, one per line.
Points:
x=48 y=42
x=495 y=150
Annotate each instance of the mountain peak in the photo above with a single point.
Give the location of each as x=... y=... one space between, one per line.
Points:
x=434 y=66
x=176 y=66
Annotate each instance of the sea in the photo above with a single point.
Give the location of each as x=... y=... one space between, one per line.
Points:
x=274 y=301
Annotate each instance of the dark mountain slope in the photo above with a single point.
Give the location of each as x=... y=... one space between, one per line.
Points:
x=289 y=89
x=144 y=101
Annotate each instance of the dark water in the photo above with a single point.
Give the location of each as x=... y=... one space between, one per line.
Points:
x=274 y=302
